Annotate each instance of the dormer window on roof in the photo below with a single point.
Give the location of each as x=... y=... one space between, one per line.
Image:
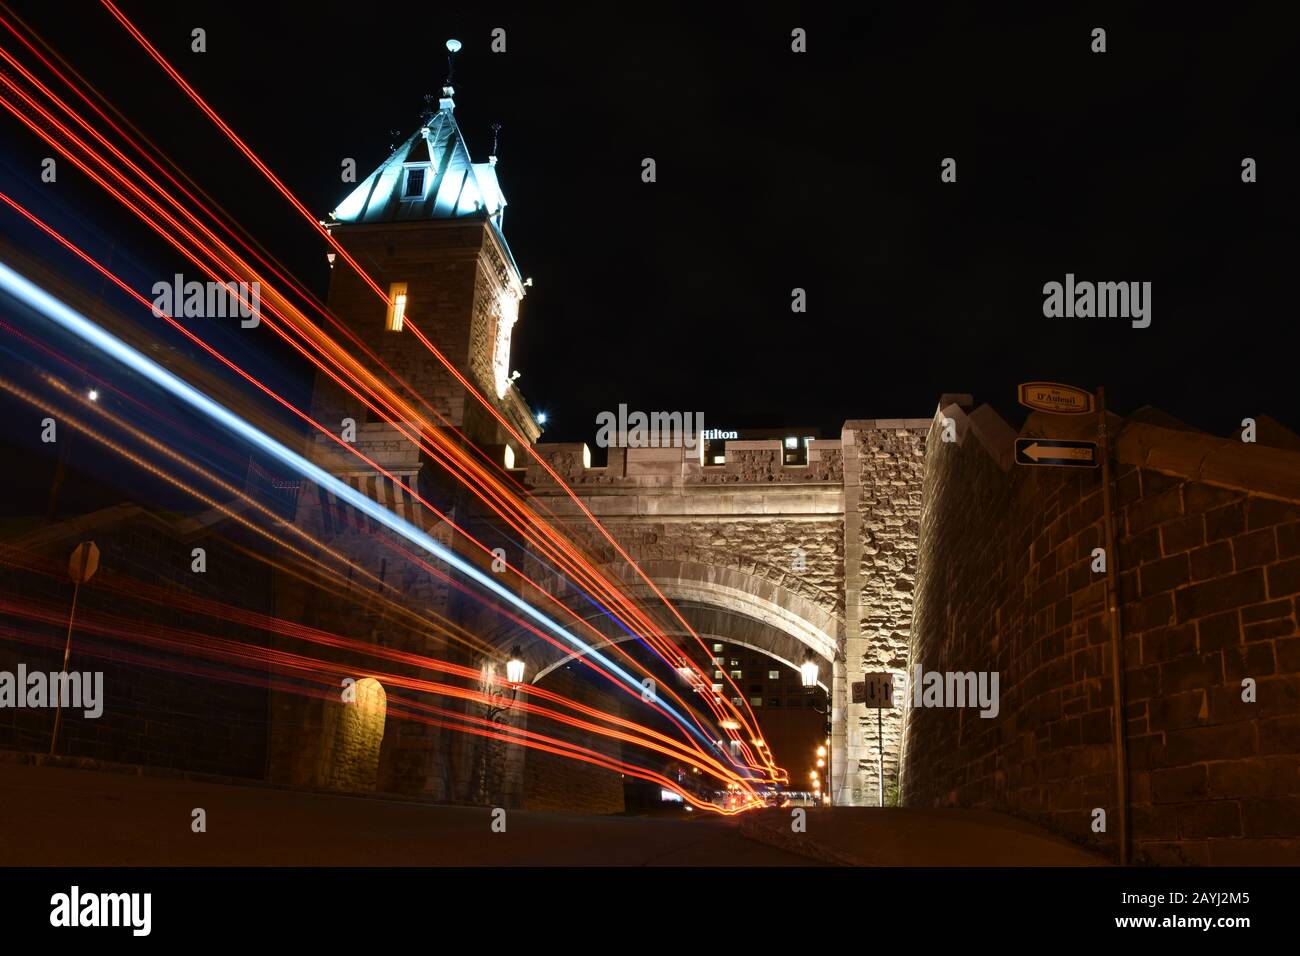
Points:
x=414 y=187
x=429 y=176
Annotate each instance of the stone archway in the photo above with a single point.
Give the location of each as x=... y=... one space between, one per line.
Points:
x=814 y=625
x=722 y=601
x=718 y=604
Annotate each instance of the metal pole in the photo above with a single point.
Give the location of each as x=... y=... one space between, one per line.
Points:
x=67 y=652
x=829 y=736
x=880 y=737
x=1120 y=723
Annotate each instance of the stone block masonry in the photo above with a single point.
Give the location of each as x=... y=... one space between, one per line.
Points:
x=1209 y=571
x=816 y=558
x=884 y=465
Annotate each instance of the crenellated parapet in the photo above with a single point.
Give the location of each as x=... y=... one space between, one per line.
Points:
x=747 y=462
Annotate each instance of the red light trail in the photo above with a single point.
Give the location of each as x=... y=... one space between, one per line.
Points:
x=208 y=252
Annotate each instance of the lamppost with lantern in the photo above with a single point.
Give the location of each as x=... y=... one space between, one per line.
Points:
x=808 y=676
x=499 y=698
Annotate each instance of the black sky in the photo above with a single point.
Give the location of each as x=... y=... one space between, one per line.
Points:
x=778 y=170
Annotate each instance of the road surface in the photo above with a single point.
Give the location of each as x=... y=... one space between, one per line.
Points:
x=56 y=816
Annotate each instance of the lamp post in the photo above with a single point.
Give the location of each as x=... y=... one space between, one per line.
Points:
x=499 y=698
x=808 y=675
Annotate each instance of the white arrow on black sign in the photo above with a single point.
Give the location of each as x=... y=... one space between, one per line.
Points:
x=1056 y=451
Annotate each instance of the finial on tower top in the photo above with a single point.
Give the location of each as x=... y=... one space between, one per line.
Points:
x=453 y=47
x=447 y=103
x=496 y=134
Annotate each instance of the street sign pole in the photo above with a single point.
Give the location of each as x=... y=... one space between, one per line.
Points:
x=67 y=652
x=876 y=690
x=1120 y=722
x=1055 y=398
x=81 y=568
x=880 y=736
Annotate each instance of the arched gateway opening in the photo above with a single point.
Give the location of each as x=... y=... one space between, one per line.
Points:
x=814 y=556
x=756 y=633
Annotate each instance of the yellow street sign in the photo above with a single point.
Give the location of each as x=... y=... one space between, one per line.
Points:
x=1056 y=398
x=84 y=562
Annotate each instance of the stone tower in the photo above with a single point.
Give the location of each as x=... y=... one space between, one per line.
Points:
x=427 y=228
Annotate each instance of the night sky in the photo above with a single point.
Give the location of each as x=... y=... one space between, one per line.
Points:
x=775 y=171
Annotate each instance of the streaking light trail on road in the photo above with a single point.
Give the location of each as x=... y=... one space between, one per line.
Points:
x=80 y=326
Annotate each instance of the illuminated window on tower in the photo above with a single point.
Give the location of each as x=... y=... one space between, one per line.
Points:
x=396 y=307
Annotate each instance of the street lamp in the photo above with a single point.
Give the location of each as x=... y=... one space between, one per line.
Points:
x=808 y=671
x=515 y=666
x=808 y=675
x=497 y=698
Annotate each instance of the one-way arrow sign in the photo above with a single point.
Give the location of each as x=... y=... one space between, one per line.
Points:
x=1055 y=451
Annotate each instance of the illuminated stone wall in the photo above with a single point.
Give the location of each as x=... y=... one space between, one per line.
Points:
x=822 y=555
x=1209 y=573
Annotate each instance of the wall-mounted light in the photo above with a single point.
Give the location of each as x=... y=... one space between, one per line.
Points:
x=515 y=666
x=808 y=671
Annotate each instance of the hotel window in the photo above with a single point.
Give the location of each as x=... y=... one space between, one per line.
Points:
x=755 y=702
x=773 y=675
x=717 y=675
x=717 y=688
x=737 y=675
x=414 y=188
x=719 y=661
x=735 y=662
x=396 y=307
x=717 y=648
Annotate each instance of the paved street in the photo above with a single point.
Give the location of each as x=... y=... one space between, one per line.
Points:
x=869 y=836
x=57 y=816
